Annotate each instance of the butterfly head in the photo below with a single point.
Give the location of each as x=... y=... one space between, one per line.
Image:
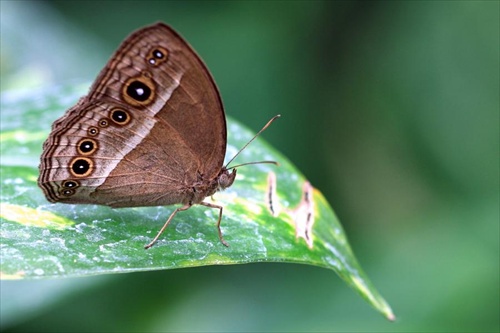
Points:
x=226 y=178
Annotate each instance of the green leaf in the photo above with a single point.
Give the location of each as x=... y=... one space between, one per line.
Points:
x=43 y=240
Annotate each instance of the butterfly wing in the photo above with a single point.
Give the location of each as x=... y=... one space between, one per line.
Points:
x=151 y=127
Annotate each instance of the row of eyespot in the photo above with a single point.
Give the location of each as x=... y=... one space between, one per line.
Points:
x=136 y=89
x=82 y=166
x=140 y=90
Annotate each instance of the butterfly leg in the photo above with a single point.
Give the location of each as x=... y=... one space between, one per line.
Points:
x=218 y=222
x=185 y=207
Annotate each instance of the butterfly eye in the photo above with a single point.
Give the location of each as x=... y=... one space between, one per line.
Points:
x=93 y=131
x=67 y=184
x=139 y=91
x=103 y=123
x=120 y=117
x=87 y=146
x=81 y=167
x=157 y=56
x=68 y=192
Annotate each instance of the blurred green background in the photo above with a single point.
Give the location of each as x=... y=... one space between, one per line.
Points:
x=390 y=108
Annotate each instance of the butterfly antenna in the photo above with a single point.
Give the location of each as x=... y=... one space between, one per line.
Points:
x=259 y=162
x=255 y=136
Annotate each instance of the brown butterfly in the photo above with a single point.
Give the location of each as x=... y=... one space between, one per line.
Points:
x=151 y=132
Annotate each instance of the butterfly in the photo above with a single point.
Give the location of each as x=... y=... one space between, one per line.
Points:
x=150 y=132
